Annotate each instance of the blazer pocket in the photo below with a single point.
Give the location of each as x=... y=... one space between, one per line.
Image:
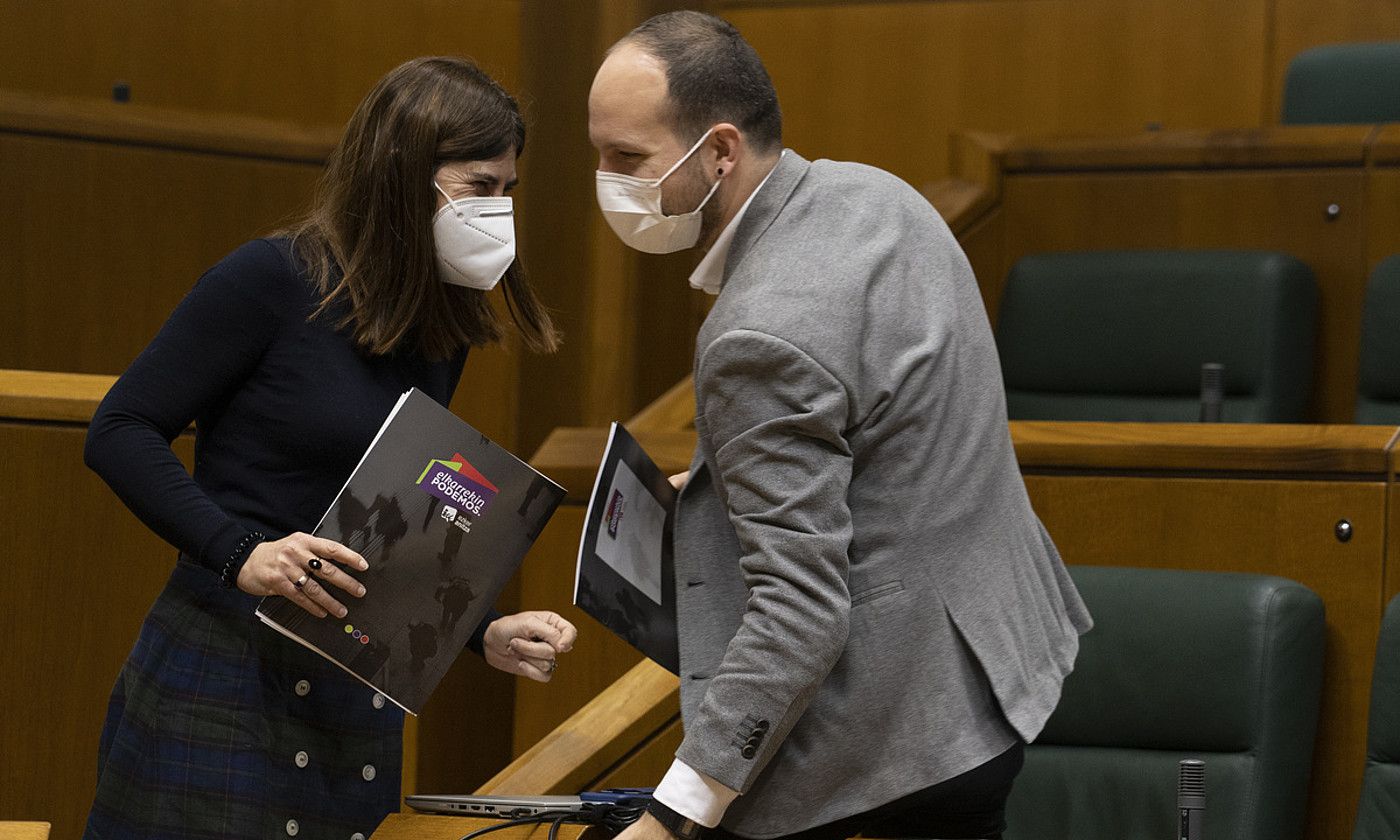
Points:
x=875 y=593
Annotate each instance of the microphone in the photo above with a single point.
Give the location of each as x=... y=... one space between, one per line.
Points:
x=1212 y=391
x=1191 y=797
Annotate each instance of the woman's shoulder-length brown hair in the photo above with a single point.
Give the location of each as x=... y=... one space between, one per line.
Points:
x=368 y=241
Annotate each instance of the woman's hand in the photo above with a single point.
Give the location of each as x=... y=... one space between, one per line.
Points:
x=528 y=642
x=286 y=568
x=679 y=479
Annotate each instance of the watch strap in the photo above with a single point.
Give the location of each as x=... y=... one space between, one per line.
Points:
x=678 y=824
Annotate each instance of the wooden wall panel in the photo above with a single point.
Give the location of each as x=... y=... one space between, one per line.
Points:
x=1217 y=210
x=599 y=658
x=1383 y=215
x=1269 y=527
x=309 y=61
x=103 y=240
x=584 y=276
x=488 y=394
x=77 y=574
x=625 y=316
x=886 y=83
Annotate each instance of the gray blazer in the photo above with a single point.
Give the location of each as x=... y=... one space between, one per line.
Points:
x=867 y=603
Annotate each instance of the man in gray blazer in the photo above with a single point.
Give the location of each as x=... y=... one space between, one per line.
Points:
x=872 y=619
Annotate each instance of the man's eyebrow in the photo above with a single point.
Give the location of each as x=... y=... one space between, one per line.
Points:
x=628 y=143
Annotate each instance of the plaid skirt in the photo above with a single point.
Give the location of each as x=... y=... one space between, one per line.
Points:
x=219 y=727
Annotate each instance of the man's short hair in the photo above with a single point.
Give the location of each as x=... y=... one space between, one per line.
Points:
x=712 y=76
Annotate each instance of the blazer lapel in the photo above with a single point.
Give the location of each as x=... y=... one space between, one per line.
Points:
x=766 y=206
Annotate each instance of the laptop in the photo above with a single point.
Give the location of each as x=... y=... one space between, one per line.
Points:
x=505 y=807
x=516 y=807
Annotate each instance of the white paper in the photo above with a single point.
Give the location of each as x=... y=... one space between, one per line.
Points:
x=631 y=526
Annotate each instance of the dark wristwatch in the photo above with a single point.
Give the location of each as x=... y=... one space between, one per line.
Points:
x=680 y=826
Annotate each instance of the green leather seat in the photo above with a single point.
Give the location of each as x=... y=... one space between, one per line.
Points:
x=1122 y=335
x=1226 y=668
x=1343 y=83
x=1378 y=817
x=1378 y=385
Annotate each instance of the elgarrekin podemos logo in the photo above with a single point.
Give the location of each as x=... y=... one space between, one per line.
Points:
x=459 y=484
x=614 y=517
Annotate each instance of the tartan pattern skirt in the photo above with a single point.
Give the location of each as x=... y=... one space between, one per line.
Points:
x=219 y=727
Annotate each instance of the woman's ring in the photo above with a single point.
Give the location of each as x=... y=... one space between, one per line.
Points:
x=299 y=582
x=553 y=663
x=314 y=563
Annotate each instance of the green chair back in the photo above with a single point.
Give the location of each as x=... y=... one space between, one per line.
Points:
x=1343 y=83
x=1122 y=335
x=1378 y=817
x=1378 y=385
x=1225 y=668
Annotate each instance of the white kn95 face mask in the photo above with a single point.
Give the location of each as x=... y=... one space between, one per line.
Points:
x=632 y=207
x=475 y=239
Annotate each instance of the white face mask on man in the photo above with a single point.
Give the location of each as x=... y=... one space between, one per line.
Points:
x=475 y=239
x=632 y=207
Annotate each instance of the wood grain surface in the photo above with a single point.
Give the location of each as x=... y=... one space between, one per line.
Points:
x=50 y=396
x=595 y=738
x=77 y=575
x=413 y=826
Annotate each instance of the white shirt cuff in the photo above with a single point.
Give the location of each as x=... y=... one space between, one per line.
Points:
x=694 y=795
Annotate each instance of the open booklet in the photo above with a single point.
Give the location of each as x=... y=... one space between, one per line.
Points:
x=625 y=576
x=444 y=517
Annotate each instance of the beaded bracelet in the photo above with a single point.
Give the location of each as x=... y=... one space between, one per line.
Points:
x=236 y=558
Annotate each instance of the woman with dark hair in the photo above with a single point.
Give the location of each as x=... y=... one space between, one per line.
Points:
x=287 y=355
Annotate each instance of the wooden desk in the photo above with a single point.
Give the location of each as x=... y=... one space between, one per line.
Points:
x=48 y=396
x=409 y=826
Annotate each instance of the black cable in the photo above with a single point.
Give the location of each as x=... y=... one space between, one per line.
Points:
x=534 y=819
x=554 y=828
x=612 y=817
x=615 y=816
